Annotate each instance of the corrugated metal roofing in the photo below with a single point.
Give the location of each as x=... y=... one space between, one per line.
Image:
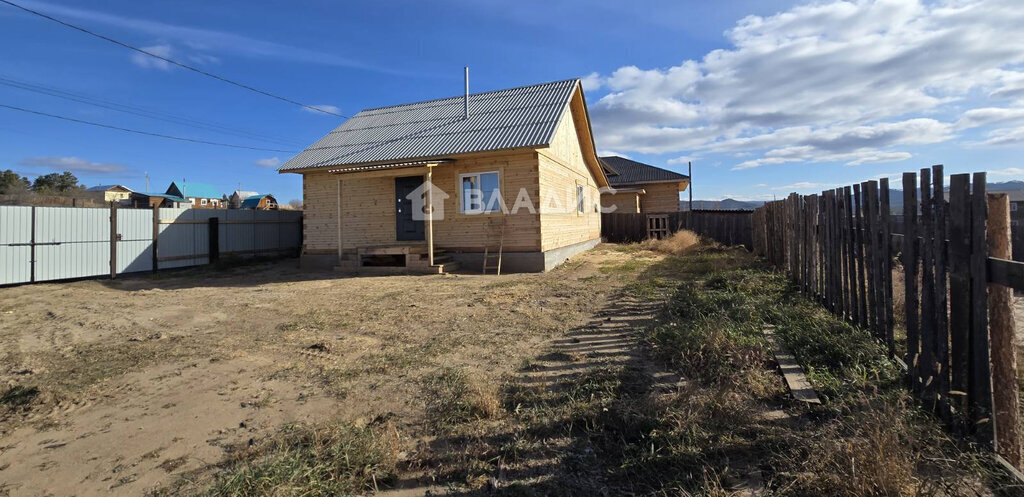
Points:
x=103 y=188
x=623 y=171
x=518 y=117
x=168 y=196
x=253 y=201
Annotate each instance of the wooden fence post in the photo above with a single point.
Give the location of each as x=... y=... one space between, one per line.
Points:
x=1004 y=358
x=885 y=260
x=980 y=375
x=926 y=366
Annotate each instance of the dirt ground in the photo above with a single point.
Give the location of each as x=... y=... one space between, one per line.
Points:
x=124 y=386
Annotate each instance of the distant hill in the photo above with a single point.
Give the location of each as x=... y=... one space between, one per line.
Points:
x=721 y=205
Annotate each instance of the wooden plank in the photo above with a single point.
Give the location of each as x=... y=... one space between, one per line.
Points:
x=851 y=263
x=885 y=265
x=796 y=380
x=979 y=393
x=862 y=312
x=926 y=365
x=870 y=189
x=959 y=292
x=1006 y=273
x=1001 y=328
x=941 y=295
x=910 y=273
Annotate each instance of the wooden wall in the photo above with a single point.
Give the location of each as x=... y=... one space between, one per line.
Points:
x=660 y=197
x=624 y=202
x=562 y=168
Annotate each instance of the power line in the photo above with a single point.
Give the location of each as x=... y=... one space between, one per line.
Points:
x=171 y=61
x=138 y=111
x=139 y=132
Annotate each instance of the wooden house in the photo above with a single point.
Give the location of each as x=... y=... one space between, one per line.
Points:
x=198 y=195
x=260 y=202
x=237 y=197
x=641 y=188
x=109 y=193
x=428 y=185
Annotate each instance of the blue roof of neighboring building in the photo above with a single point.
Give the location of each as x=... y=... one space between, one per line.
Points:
x=168 y=196
x=253 y=201
x=199 y=190
x=103 y=188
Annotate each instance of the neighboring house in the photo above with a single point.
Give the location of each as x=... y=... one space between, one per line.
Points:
x=239 y=196
x=109 y=193
x=364 y=182
x=147 y=200
x=637 y=187
x=260 y=202
x=199 y=195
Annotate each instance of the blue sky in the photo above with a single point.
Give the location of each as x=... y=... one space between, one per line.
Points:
x=765 y=97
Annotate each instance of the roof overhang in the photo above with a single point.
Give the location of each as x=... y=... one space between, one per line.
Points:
x=683 y=184
x=587 y=140
x=392 y=165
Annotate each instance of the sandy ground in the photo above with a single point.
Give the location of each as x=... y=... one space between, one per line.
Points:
x=145 y=379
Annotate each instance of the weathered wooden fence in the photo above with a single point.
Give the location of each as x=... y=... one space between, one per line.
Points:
x=952 y=264
x=55 y=243
x=728 y=227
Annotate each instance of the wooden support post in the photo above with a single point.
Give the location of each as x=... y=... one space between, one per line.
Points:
x=113 y=240
x=1000 y=315
x=980 y=376
x=429 y=208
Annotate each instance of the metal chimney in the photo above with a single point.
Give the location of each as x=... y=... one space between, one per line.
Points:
x=465 y=99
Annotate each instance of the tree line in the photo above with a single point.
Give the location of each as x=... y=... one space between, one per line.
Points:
x=63 y=184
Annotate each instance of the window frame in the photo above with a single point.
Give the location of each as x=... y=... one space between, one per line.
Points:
x=581 y=204
x=202 y=201
x=462 y=193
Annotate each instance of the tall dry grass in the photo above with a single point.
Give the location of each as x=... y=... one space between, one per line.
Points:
x=680 y=243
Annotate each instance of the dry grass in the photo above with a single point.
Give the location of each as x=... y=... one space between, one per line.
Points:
x=680 y=243
x=326 y=460
x=454 y=396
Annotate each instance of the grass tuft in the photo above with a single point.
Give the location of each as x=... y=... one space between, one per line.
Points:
x=336 y=459
x=454 y=397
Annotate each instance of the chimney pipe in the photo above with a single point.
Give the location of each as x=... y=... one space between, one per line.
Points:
x=465 y=99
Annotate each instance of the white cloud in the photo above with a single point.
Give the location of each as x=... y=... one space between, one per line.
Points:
x=681 y=160
x=1002 y=137
x=74 y=164
x=147 y=62
x=592 y=82
x=326 y=108
x=849 y=81
x=1010 y=171
x=269 y=162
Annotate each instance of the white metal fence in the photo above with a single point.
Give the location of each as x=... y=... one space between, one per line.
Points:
x=54 y=243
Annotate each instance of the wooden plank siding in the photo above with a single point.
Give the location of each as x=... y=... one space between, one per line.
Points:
x=561 y=170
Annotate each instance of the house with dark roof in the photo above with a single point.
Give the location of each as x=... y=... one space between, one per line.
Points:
x=109 y=193
x=505 y=178
x=641 y=188
x=237 y=197
x=197 y=195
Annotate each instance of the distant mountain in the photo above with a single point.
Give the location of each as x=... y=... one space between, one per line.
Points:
x=721 y=205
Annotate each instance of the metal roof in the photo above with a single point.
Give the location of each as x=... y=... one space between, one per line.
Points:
x=194 y=190
x=518 y=117
x=168 y=196
x=253 y=201
x=623 y=171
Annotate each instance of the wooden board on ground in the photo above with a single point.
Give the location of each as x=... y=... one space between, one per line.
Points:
x=794 y=375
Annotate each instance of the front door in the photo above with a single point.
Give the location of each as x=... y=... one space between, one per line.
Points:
x=405 y=226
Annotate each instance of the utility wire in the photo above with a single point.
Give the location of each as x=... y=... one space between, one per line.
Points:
x=171 y=61
x=139 y=132
x=138 y=111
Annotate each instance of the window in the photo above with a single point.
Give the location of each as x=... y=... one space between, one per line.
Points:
x=1013 y=206
x=580 y=207
x=481 y=193
x=203 y=201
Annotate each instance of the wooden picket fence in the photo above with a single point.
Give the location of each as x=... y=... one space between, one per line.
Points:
x=951 y=261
